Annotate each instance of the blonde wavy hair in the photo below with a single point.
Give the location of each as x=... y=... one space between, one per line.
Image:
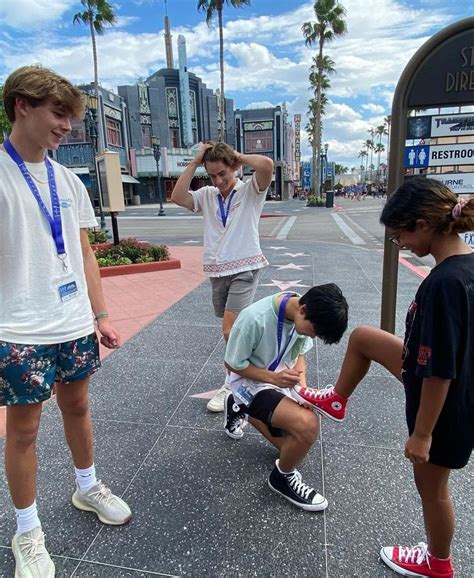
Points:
x=37 y=85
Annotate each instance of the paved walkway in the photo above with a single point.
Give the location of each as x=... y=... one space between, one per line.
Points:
x=201 y=502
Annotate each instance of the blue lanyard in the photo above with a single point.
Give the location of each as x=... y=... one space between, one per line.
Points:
x=223 y=208
x=281 y=319
x=54 y=220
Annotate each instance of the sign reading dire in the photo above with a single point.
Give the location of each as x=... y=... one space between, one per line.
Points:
x=446 y=76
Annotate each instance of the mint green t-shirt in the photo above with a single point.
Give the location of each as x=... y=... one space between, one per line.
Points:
x=253 y=340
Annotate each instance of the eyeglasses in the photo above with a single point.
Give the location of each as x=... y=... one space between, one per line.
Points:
x=395 y=241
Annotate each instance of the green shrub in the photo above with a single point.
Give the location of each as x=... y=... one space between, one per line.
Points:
x=314 y=201
x=130 y=251
x=96 y=236
x=160 y=252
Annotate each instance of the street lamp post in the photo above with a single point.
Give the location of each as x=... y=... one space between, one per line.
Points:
x=324 y=168
x=155 y=142
x=91 y=126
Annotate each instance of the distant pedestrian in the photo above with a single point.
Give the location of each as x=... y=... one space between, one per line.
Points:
x=266 y=356
x=50 y=294
x=435 y=362
x=231 y=209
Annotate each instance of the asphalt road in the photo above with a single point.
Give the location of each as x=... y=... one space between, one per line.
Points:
x=353 y=223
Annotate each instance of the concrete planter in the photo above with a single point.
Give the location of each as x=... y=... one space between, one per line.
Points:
x=140 y=268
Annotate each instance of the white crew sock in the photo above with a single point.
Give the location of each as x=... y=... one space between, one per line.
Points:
x=27 y=519
x=281 y=471
x=227 y=380
x=85 y=478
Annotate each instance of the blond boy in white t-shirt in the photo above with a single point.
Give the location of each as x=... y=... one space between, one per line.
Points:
x=50 y=294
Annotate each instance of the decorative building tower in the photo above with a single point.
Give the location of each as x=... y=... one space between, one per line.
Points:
x=185 y=95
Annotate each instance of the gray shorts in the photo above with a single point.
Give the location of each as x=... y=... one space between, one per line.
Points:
x=234 y=292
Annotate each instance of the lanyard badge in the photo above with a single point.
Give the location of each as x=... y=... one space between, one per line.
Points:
x=223 y=208
x=281 y=319
x=54 y=220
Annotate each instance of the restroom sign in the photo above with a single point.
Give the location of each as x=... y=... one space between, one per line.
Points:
x=416 y=157
x=449 y=155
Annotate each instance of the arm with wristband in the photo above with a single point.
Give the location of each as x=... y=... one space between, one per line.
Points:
x=110 y=337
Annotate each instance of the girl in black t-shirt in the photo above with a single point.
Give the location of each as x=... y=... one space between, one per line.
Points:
x=435 y=362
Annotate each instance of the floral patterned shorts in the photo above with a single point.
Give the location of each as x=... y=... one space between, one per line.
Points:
x=28 y=372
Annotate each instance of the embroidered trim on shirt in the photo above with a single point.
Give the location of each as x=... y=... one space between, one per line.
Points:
x=230 y=265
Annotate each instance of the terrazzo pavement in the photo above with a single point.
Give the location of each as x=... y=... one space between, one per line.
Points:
x=200 y=501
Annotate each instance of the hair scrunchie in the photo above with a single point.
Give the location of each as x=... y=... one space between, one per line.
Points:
x=458 y=207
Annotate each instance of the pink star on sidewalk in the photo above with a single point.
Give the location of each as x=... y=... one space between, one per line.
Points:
x=291 y=266
x=283 y=285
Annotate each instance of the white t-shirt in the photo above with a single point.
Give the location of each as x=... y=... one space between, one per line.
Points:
x=235 y=247
x=31 y=309
x=253 y=340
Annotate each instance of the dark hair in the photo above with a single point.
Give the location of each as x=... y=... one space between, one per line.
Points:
x=326 y=309
x=428 y=199
x=220 y=151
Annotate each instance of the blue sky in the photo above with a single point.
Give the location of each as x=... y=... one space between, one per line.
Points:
x=266 y=59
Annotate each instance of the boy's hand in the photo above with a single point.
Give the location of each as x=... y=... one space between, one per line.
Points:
x=417 y=448
x=287 y=378
x=110 y=337
x=202 y=148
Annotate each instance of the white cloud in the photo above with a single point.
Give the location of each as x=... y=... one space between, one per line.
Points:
x=264 y=104
x=32 y=13
x=265 y=56
x=373 y=108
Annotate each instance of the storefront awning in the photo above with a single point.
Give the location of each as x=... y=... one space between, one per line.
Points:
x=130 y=179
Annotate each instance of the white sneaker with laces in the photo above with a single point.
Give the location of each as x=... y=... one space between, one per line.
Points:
x=32 y=558
x=216 y=404
x=110 y=509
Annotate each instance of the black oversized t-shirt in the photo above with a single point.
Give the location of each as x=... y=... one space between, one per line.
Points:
x=439 y=342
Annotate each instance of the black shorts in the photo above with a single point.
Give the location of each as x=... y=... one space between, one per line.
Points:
x=262 y=408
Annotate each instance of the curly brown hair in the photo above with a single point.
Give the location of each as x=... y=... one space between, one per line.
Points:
x=38 y=85
x=428 y=199
x=220 y=151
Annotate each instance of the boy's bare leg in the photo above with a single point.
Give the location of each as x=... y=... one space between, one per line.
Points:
x=302 y=427
x=367 y=344
x=263 y=429
x=432 y=484
x=20 y=452
x=73 y=401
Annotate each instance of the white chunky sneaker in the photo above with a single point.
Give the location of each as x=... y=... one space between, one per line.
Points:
x=32 y=558
x=110 y=509
x=216 y=404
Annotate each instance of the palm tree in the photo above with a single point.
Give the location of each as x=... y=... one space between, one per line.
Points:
x=329 y=25
x=369 y=145
x=361 y=156
x=379 y=149
x=97 y=15
x=387 y=122
x=4 y=122
x=210 y=7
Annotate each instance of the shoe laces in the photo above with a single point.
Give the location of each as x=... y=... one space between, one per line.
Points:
x=322 y=393
x=238 y=419
x=102 y=494
x=33 y=549
x=416 y=555
x=297 y=484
